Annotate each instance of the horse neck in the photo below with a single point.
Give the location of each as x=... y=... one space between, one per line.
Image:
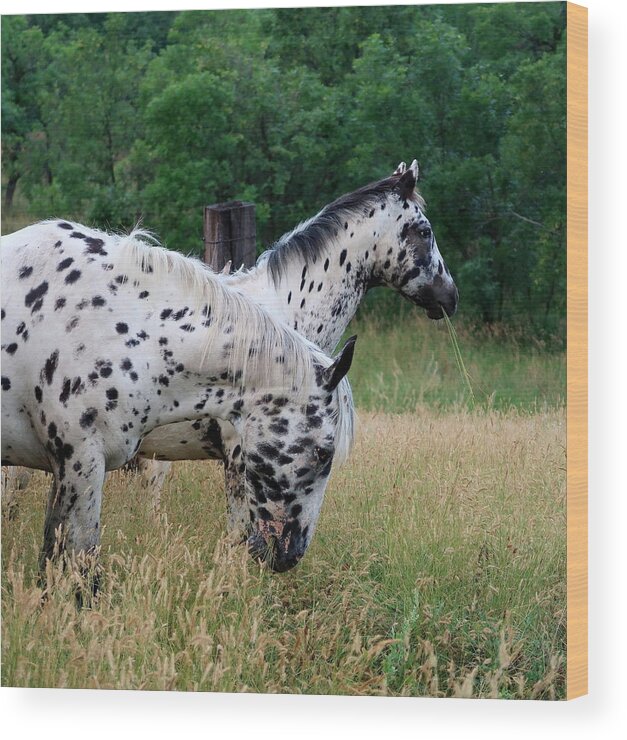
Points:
x=319 y=299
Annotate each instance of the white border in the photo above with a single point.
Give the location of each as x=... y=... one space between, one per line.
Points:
x=103 y=714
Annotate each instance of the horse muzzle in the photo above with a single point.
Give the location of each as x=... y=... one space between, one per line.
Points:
x=280 y=546
x=438 y=298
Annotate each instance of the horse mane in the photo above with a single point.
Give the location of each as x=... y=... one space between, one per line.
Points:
x=257 y=337
x=312 y=238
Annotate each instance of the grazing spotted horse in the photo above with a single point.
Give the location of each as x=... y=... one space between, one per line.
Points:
x=105 y=338
x=313 y=279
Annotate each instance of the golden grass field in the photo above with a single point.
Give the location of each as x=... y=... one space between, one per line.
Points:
x=438 y=568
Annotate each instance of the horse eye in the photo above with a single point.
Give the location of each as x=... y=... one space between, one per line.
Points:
x=425 y=233
x=322 y=454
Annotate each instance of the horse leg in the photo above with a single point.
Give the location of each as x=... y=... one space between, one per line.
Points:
x=72 y=523
x=153 y=474
x=237 y=510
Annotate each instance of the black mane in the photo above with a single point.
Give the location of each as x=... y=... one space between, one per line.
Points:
x=312 y=241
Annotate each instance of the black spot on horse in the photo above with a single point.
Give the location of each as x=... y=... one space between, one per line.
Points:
x=279 y=426
x=144 y=294
x=343 y=254
x=64 y=264
x=65 y=225
x=38 y=394
x=326 y=264
x=94 y=246
x=6 y=383
x=409 y=275
x=50 y=366
x=98 y=301
x=35 y=296
x=289 y=297
x=126 y=364
x=121 y=327
x=264 y=514
x=60 y=302
x=268 y=450
x=25 y=272
x=88 y=417
x=77 y=235
x=65 y=390
x=72 y=277
x=166 y=313
x=11 y=348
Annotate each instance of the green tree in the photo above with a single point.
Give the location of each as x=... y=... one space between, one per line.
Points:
x=23 y=60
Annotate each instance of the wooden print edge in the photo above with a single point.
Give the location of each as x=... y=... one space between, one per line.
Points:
x=577 y=351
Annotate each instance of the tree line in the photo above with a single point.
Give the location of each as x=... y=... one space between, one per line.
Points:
x=118 y=116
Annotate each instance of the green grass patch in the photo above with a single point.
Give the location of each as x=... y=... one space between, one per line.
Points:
x=414 y=363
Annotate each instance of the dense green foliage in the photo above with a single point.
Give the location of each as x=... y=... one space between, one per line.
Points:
x=109 y=117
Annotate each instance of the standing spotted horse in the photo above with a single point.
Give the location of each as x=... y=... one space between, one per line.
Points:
x=105 y=338
x=313 y=279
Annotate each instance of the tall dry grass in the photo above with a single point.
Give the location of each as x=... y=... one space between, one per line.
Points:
x=438 y=568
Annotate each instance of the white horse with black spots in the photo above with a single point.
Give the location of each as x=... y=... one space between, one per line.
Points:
x=106 y=338
x=314 y=279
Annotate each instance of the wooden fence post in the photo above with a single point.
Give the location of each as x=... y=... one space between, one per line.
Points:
x=230 y=234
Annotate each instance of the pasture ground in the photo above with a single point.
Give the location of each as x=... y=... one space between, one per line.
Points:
x=438 y=568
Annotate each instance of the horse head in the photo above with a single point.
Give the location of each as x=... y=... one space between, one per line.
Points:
x=288 y=447
x=408 y=258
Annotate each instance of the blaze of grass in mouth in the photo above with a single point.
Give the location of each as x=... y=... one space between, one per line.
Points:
x=458 y=357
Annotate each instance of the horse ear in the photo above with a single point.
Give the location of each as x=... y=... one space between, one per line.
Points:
x=341 y=365
x=405 y=186
x=400 y=169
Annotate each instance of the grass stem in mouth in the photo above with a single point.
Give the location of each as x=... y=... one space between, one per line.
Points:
x=458 y=357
